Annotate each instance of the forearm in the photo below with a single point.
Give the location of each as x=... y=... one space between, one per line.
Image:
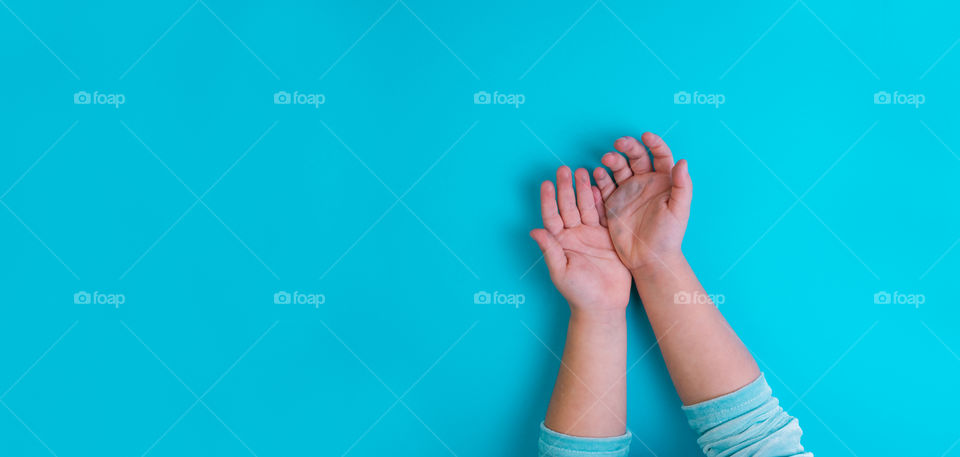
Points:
x=590 y=396
x=705 y=357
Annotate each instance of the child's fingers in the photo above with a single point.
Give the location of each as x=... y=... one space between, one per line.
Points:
x=566 y=199
x=662 y=157
x=553 y=254
x=618 y=165
x=598 y=201
x=548 y=208
x=604 y=182
x=588 y=208
x=639 y=158
x=682 y=191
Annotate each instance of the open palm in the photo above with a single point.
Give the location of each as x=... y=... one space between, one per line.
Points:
x=577 y=247
x=648 y=207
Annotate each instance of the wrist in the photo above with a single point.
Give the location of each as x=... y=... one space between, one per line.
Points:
x=601 y=317
x=665 y=264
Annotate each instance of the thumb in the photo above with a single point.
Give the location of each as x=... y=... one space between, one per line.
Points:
x=552 y=251
x=682 y=191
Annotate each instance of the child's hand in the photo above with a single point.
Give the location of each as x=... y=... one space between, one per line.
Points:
x=648 y=208
x=577 y=248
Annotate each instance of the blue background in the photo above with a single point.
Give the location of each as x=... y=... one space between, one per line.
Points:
x=399 y=198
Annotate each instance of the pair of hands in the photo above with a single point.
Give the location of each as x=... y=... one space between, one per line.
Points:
x=595 y=239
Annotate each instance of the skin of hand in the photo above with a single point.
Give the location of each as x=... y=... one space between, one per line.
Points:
x=577 y=247
x=647 y=213
x=590 y=395
x=648 y=208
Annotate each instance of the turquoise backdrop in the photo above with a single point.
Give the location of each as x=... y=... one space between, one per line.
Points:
x=258 y=228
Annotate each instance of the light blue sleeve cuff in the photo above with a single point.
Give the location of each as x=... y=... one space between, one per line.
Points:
x=747 y=422
x=553 y=444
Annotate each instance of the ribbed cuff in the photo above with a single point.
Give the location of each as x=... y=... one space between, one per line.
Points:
x=708 y=414
x=554 y=444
